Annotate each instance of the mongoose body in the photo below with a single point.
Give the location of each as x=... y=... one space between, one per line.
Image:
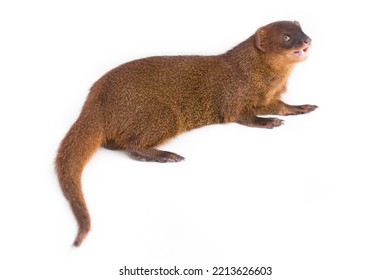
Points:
x=140 y=104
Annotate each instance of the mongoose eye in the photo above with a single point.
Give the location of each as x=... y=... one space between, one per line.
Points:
x=286 y=38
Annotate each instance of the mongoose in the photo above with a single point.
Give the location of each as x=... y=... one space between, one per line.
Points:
x=142 y=103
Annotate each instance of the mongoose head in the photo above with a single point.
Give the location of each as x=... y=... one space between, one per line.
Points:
x=285 y=39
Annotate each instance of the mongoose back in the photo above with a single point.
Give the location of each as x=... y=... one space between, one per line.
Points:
x=140 y=104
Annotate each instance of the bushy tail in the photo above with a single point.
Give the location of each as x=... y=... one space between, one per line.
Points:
x=78 y=146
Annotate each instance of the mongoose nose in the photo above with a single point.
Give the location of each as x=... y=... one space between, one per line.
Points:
x=307 y=41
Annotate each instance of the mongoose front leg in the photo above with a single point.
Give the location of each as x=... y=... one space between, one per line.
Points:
x=278 y=107
x=286 y=109
x=254 y=121
x=151 y=154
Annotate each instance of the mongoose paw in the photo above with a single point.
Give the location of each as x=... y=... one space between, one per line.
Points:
x=168 y=157
x=275 y=123
x=269 y=122
x=303 y=109
x=255 y=121
x=153 y=155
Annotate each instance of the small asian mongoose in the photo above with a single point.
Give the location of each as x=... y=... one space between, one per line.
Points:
x=140 y=104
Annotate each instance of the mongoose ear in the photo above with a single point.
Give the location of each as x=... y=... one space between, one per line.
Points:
x=297 y=23
x=260 y=38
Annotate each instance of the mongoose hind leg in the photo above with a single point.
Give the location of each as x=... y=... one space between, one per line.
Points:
x=254 y=121
x=151 y=154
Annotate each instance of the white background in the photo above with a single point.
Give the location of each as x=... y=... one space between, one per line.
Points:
x=310 y=198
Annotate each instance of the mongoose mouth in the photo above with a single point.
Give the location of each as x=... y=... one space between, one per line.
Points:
x=301 y=53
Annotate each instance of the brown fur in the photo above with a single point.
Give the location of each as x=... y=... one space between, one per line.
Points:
x=140 y=104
